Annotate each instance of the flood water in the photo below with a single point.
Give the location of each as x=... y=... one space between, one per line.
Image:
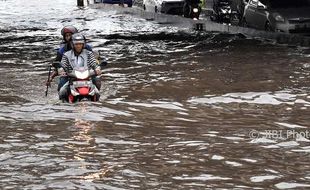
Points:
x=178 y=109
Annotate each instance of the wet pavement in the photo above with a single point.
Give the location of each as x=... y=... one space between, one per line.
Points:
x=178 y=109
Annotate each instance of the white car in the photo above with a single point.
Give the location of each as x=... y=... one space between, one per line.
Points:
x=174 y=7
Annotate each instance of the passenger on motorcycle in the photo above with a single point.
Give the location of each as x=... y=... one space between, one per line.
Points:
x=65 y=46
x=67 y=33
x=78 y=57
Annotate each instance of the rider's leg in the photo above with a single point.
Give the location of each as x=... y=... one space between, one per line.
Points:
x=97 y=82
x=62 y=81
x=64 y=91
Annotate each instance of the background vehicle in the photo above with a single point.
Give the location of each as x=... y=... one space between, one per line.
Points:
x=174 y=7
x=127 y=2
x=222 y=11
x=289 y=16
x=191 y=9
x=238 y=6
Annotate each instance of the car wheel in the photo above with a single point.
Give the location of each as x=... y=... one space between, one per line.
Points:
x=156 y=10
x=268 y=27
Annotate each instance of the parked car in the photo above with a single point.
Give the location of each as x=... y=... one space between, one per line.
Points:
x=289 y=16
x=127 y=2
x=174 y=7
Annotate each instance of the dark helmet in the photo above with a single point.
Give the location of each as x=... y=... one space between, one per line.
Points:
x=78 y=38
x=68 y=29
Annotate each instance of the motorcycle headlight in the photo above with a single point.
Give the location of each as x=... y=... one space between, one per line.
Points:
x=195 y=10
x=82 y=74
x=279 y=18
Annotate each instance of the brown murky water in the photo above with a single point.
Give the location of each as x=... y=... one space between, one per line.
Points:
x=179 y=110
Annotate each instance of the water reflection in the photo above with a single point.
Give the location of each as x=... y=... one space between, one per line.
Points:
x=84 y=148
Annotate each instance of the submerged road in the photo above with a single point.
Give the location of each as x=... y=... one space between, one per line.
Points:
x=180 y=109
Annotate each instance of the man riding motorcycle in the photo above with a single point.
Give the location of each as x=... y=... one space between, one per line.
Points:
x=78 y=57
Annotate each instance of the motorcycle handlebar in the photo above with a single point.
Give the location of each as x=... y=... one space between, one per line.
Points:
x=92 y=72
x=71 y=74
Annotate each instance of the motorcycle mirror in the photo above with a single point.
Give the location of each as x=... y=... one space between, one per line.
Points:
x=103 y=63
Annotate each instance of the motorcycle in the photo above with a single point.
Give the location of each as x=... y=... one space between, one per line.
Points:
x=222 y=12
x=192 y=10
x=195 y=12
x=80 y=86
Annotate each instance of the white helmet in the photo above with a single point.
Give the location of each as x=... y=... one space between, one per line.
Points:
x=78 y=38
